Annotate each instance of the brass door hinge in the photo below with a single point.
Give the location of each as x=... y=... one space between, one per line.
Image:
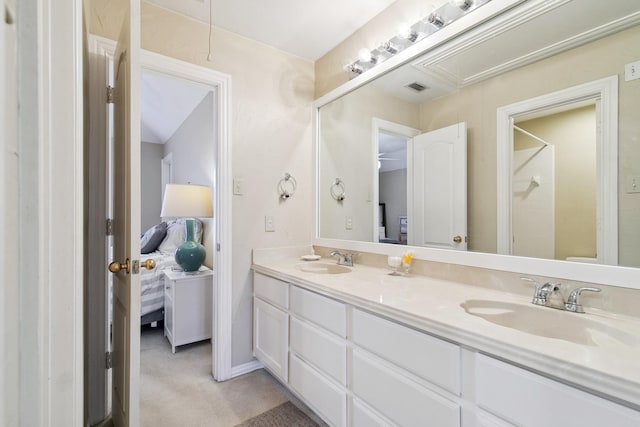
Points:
x=109 y=226
x=110 y=95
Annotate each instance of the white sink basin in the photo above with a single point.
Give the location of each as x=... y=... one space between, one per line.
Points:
x=322 y=268
x=548 y=322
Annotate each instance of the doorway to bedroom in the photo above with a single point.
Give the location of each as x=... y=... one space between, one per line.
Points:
x=216 y=232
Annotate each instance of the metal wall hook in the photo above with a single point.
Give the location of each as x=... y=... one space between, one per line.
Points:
x=337 y=190
x=287 y=186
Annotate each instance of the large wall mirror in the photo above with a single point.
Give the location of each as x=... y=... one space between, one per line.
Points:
x=556 y=176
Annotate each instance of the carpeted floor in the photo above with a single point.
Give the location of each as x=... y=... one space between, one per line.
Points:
x=286 y=414
x=178 y=389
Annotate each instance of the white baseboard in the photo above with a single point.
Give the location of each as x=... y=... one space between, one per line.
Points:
x=246 y=368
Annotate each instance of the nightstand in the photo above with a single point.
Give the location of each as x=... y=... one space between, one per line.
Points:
x=187 y=306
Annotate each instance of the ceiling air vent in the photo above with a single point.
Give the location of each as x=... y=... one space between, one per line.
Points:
x=417 y=86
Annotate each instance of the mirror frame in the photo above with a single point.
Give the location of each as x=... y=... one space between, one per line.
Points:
x=627 y=277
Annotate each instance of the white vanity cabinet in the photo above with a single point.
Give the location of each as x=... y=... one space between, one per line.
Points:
x=357 y=368
x=271 y=324
x=318 y=354
x=524 y=398
x=409 y=377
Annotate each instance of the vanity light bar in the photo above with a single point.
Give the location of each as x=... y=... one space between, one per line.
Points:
x=408 y=35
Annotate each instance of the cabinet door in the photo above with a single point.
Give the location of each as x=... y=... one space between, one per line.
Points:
x=433 y=359
x=272 y=290
x=361 y=416
x=524 y=398
x=192 y=301
x=323 y=350
x=271 y=337
x=325 y=312
x=324 y=397
x=399 y=397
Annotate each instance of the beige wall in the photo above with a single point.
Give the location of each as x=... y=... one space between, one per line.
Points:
x=573 y=134
x=272 y=94
x=346 y=152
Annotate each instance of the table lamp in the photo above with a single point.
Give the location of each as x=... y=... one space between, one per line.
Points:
x=188 y=201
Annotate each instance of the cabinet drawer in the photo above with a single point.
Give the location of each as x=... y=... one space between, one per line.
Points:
x=524 y=398
x=323 y=350
x=327 y=399
x=432 y=359
x=271 y=337
x=320 y=310
x=399 y=398
x=273 y=290
x=361 y=416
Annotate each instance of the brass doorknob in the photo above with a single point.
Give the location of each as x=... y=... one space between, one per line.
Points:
x=116 y=267
x=149 y=264
x=457 y=239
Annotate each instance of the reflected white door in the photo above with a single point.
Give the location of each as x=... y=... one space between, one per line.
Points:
x=437 y=188
x=126 y=250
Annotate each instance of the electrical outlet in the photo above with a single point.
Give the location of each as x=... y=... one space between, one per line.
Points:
x=632 y=71
x=237 y=186
x=268 y=223
x=348 y=223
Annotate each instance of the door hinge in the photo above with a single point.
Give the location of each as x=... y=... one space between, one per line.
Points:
x=109 y=224
x=218 y=247
x=110 y=95
x=109 y=359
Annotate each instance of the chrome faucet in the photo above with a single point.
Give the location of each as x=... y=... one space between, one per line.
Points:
x=343 y=259
x=549 y=295
x=572 y=302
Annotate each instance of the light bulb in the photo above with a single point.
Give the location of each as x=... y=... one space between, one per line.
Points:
x=406 y=32
x=364 y=55
x=462 y=4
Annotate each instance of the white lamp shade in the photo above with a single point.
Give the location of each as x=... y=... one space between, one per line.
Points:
x=187 y=200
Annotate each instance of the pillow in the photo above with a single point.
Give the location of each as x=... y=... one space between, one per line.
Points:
x=176 y=233
x=152 y=238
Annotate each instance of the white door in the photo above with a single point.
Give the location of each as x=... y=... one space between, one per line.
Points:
x=437 y=188
x=126 y=250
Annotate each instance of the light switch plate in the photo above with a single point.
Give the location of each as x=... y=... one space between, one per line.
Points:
x=633 y=184
x=268 y=223
x=348 y=223
x=632 y=71
x=237 y=186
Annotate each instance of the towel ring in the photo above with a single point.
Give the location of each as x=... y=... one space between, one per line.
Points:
x=287 y=186
x=337 y=190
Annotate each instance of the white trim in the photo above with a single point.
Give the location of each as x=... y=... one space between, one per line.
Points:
x=245 y=368
x=607 y=160
x=404 y=131
x=222 y=322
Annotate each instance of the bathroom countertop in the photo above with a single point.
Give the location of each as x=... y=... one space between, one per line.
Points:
x=608 y=368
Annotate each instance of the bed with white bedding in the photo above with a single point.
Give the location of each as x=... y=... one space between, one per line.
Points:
x=152 y=281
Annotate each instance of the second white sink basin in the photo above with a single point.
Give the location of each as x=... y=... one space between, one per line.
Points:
x=547 y=322
x=322 y=268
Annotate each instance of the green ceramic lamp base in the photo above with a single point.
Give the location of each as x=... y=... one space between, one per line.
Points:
x=190 y=255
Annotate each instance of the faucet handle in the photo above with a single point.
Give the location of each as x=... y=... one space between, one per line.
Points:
x=572 y=303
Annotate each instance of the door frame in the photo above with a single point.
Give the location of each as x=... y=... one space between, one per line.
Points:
x=606 y=90
x=377 y=126
x=101 y=48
